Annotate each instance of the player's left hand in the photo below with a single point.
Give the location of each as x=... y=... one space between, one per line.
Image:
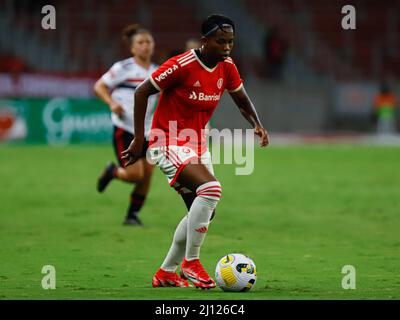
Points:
x=133 y=153
x=263 y=134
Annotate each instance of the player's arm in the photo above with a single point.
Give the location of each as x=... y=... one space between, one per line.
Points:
x=142 y=94
x=249 y=112
x=103 y=92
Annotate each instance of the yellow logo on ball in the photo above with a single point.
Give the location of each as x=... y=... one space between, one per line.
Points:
x=227 y=260
x=228 y=276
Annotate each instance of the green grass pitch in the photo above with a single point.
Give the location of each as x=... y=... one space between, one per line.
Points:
x=304 y=213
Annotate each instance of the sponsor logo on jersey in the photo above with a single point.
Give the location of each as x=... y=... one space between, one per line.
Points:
x=166 y=73
x=204 y=97
x=193 y=96
x=197 y=84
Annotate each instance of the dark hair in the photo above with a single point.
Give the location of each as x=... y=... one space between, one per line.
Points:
x=131 y=30
x=215 y=22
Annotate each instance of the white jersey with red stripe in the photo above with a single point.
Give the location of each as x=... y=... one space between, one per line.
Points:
x=190 y=92
x=123 y=78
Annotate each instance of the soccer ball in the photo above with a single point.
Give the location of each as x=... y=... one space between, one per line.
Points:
x=236 y=272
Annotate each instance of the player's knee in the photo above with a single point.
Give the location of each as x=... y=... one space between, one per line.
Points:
x=136 y=176
x=210 y=190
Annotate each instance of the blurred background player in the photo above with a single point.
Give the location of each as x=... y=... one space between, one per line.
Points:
x=184 y=158
x=275 y=51
x=192 y=43
x=385 y=110
x=116 y=88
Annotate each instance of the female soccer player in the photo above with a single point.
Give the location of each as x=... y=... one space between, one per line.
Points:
x=191 y=85
x=116 y=88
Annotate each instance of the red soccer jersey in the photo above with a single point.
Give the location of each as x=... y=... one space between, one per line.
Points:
x=190 y=92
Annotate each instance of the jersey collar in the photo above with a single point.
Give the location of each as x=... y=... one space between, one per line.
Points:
x=202 y=64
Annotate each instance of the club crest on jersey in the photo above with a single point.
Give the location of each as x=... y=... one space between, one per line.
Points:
x=219 y=83
x=204 y=97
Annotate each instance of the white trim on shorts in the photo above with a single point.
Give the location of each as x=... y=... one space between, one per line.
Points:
x=172 y=159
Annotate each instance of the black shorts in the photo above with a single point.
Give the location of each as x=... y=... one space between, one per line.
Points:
x=121 y=141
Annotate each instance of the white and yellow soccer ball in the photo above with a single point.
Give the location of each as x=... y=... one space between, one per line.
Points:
x=236 y=272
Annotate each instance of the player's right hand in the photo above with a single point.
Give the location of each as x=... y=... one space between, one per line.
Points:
x=133 y=153
x=116 y=108
x=263 y=134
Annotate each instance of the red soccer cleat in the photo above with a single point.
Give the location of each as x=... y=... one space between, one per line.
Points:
x=164 y=278
x=194 y=271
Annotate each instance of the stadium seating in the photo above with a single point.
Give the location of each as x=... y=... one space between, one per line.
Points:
x=365 y=52
x=89 y=33
x=87 y=39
